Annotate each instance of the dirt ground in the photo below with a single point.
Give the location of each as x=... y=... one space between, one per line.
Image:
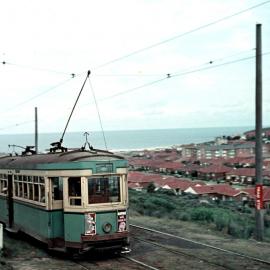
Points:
x=25 y=254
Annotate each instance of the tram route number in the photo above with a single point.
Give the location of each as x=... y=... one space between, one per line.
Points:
x=259 y=196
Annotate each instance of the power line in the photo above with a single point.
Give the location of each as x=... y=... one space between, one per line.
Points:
x=181 y=35
x=38 y=68
x=17 y=125
x=171 y=75
x=38 y=95
x=99 y=116
x=158 y=75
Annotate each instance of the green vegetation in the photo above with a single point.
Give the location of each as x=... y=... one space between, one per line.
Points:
x=232 y=218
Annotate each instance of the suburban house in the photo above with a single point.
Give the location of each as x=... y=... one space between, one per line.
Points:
x=266 y=196
x=213 y=172
x=218 y=192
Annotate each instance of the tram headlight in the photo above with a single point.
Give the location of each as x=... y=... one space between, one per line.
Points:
x=107 y=227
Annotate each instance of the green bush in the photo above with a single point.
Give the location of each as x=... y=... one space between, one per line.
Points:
x=225 y=216
x=222 y=221
x=202 y=214
x=240 y=229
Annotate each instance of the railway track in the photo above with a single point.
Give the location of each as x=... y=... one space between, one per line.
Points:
x=176 y=244
x=84 y=265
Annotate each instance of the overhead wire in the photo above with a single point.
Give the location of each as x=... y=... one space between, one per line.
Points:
x=172 y=75
x=147 y=47
x=38 y=68
x=158 y=75
x=16 y=125
x=180 y=35
x=36 y=96
x=98 y=112
x=141 y=50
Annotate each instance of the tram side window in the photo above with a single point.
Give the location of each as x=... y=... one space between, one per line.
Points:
x=3 y=184
x=30 y=187
x=57 y=184
x=103 y=189
x=74 y=191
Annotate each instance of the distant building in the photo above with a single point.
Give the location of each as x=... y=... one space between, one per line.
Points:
x=220 y=150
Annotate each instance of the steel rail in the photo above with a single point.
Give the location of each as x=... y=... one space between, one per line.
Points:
x=139 y=262
x=184 y=253
x=203 y=244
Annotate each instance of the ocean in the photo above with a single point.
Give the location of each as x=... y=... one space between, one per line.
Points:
x=123 y=139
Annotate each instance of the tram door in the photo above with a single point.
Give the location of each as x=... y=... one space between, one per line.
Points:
x=55 y=203
x=10 y=206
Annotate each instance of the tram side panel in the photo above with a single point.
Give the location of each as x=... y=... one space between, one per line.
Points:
x=3 y=198
x=3 y=209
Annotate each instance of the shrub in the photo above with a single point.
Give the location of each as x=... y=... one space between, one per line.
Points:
x=202 y=214
x=240 y=229
x=222 y=221
x=159 y=203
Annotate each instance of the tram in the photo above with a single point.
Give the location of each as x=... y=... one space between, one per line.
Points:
x=71 y=200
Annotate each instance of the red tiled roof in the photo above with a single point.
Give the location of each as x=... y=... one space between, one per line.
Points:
x=251 y=193
x=215 y=169
x=223 y=189
x=161 y=180
x=178 y=184
x=242 y=172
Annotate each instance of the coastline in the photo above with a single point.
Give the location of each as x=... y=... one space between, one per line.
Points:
x=128 y=140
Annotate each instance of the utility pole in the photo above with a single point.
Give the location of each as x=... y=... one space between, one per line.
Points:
x=259 y=212
x=36 y=130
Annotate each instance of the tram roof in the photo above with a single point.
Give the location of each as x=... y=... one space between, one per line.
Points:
x=36 y=161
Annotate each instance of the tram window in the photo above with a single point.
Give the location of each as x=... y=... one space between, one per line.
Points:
x=17 y=189
x=103 y=189
x=74 y=191
x=42 y=193
x=36 y=179
x=36 y=192
x=57 y=184
x=25 y=190
x=3 y=186
x=31 y=191
x=41 y=180
x=20 y=189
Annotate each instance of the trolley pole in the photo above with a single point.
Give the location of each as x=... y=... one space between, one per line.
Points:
x=259 y=212
x=36 y=130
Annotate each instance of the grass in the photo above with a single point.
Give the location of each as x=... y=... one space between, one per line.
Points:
x=231 y=218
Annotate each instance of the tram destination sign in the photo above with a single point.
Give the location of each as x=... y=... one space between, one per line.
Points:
x=104 y=167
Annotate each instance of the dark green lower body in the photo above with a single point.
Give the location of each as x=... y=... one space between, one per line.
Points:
x=64 y=230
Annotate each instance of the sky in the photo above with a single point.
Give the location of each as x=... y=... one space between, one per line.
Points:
x=207 y=48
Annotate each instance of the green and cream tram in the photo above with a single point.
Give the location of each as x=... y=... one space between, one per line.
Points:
x=74 y=200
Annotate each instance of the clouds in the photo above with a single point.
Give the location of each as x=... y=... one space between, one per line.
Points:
x=72 y=37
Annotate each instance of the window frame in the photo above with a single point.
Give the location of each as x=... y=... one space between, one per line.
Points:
x=120 y=189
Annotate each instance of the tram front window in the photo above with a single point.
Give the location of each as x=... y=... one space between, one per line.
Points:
x=74 y=191
x=104 y=189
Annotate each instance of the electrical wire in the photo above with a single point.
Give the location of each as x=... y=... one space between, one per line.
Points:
x=158 y=75
x=16 y=125
x=172 y=75
x=38 y=68
x=147 y=47
x=36 y=96
x=181 y=35
x=100 y=122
